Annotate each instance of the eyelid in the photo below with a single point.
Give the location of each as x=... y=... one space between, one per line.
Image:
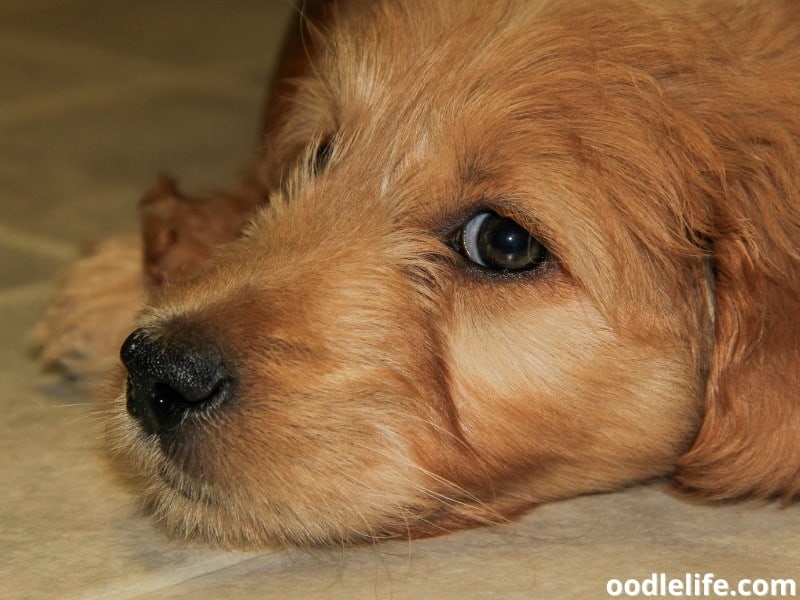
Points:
x=451 y=228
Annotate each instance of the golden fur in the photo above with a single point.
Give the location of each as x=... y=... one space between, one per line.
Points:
x=385 y=386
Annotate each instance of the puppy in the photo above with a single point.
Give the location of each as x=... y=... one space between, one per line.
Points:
x=490 y=254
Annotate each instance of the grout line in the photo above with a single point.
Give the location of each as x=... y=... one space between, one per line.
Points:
x=35 y=244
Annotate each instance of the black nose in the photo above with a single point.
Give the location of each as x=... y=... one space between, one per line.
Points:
x=169 y=379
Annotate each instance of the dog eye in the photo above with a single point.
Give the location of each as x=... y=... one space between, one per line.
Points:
x=500 y=244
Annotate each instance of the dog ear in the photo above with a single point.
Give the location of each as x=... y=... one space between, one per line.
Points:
x=180 y=233
x=749 y=439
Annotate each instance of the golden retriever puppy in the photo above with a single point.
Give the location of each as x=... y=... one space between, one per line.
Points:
x=491 y=254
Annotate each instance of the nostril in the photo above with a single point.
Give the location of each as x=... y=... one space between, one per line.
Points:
x=168 y=380
x=164 y=394
x=158 y=408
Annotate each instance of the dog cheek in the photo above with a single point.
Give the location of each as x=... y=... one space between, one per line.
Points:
x=564 y=402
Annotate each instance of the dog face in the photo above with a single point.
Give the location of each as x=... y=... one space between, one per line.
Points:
x=484 y=284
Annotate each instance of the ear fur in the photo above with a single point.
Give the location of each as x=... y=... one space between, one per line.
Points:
x=180 y=232
x=749 y=440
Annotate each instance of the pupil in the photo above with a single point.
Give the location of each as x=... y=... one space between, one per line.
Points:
x=506 y=245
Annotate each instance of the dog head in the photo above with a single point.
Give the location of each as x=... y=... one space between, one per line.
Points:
x=505 y=267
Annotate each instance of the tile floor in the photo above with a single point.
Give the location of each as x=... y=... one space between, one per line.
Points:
x=95 y=98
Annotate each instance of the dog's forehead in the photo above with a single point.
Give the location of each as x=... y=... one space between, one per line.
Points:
x=435 y=99
x=411 y=66
x=483 y=89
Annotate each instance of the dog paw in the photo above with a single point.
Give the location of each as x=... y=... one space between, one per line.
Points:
x=93 y=310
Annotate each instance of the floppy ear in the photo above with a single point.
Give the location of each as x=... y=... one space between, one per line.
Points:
x=180 y=233
x=749 y=439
